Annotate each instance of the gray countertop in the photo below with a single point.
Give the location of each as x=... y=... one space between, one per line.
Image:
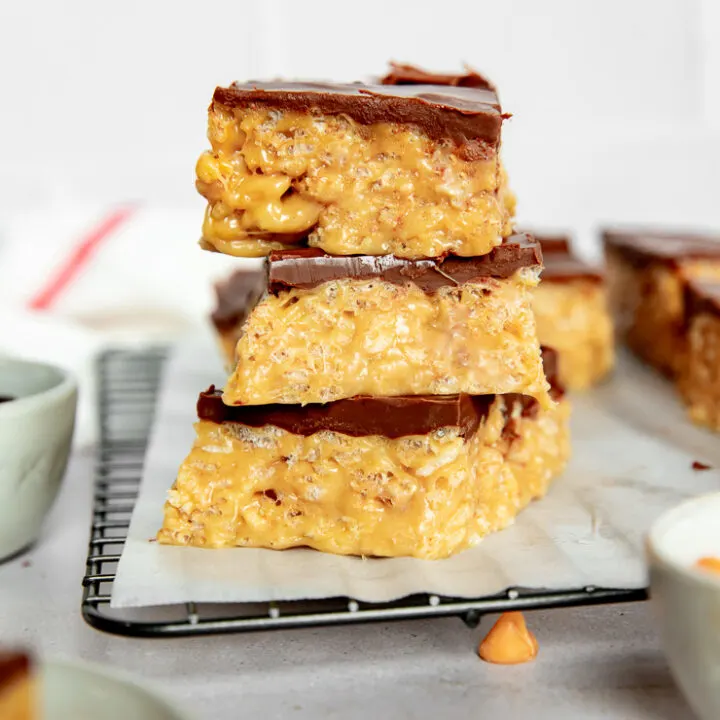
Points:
x=598 y=662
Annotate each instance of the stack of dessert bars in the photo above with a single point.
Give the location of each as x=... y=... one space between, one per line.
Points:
x=389 y=395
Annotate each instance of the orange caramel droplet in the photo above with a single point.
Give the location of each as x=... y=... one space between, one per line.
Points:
x=509 y=642
x=709 y=563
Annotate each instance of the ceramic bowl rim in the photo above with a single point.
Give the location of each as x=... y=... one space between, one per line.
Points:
x=658 y=556
x=65 y=385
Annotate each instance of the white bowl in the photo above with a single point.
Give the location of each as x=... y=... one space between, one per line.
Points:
x=35 y=436
x=686 y=600
x=77 y=690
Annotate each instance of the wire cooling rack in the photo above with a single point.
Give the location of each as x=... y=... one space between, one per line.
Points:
x=128 y=385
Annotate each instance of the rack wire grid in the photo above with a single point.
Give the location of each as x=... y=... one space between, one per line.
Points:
x=127 y=389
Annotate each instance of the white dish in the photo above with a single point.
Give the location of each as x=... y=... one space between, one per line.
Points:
x=79 y=691
x=36 y=429
x=686 y=599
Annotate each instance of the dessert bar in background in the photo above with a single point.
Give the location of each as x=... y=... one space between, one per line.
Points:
x=353 y=169
x=699 y=377
x=17 y=689
x=334 y=327
x=419 y=476
x=572 y=314
x=647 y=271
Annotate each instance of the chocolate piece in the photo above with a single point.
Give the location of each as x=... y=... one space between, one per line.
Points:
x=392 y=417
x=530 y=407
x=643 y=247
x=701 y=296
x=402 y=74
x=236 y=296
x=470 y=117
x=13 y=664
x=550 y=361
x=309 y=267
x=560 y=264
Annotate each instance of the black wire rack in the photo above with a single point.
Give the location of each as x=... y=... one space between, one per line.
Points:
x=127 y=390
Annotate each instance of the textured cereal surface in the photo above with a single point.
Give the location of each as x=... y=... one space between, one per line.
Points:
x=369 y=337
x=277 y=178
x=699 y=381
x=424 y=496
x=573 y=318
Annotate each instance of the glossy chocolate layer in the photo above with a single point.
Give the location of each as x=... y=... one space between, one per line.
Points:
x=560 y=264
x=402 y=74
x=309 y=267
x=12 y=666
x=702 y=296
x=236 y=296
x=643 y=247
x=358 y=416
x=470 y=117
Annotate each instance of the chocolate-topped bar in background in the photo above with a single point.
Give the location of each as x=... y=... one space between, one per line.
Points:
x=18 y=692
x=354 y=169
x=333 y=327
x=572 y=315
x=235 y=296
x=419 y=476
x=699 y=375
x=647 y=271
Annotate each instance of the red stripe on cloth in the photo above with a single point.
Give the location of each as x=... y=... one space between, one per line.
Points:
x=78 y=258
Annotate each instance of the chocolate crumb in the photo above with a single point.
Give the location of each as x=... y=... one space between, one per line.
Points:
x=697 y=465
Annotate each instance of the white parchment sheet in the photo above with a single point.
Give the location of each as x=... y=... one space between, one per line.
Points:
x=633 y=451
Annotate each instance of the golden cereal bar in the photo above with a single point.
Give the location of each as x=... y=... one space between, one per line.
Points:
x=354 y=169
x=699 y=380
x=572 y=315
x=334 y=327
x=424 y=477
x=646 y=274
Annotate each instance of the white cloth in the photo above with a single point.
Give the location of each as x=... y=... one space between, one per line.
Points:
x=146 y=282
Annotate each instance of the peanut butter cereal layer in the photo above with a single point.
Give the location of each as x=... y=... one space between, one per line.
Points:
x=699 y=380
x=332 y=327
x=647 y=272
x=354 y=169
x=263 y=477
x=572 y=315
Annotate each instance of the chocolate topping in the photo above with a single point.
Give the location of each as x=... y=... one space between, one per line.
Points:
x=310 y=267
x=392 y=417
x=12 y=665
x=470 y=117
x=702 y=296
x=643 y=247
x=551 y=367
x=401 y=74
x=560 y=264
x=236 y=296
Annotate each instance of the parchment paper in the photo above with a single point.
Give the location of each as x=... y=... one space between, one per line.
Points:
x=633 y=451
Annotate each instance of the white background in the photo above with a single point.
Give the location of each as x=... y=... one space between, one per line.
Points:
x=616 y=103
